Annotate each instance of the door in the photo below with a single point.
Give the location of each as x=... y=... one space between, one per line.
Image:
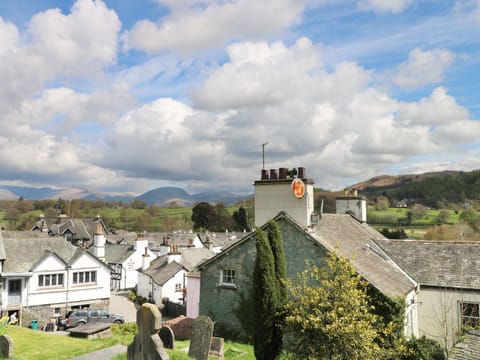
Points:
x=15 y=292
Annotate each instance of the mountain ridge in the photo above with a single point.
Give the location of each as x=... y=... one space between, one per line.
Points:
x=159 y=196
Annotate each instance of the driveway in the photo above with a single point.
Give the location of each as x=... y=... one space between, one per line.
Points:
x=121 y=304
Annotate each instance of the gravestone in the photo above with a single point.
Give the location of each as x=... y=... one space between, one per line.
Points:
x=201 y=338
x=217 y=348
x=147 y=344
x=167 y=336
x=6 y=346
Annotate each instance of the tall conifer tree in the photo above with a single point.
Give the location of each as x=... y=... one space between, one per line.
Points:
x=276 y=244
x=264 y=297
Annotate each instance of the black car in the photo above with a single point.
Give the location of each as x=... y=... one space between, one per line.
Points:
x=82 y=317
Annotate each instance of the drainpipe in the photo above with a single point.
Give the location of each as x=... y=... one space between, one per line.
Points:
x=68 y=267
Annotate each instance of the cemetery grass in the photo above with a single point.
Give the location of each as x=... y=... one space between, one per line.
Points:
x=39 y=345
x=232 y=351
x=33 y=344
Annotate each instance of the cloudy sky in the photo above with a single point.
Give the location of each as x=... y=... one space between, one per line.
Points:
x=125 y=96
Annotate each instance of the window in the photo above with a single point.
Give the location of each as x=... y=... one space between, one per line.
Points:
x=228 y=276
x=49 y=280
x=178 y=287
x=84 y=277
x=470 y=313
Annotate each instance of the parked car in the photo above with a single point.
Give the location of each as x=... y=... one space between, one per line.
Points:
x=82 y=317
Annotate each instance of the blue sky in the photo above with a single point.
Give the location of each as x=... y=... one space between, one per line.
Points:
x=125 y=96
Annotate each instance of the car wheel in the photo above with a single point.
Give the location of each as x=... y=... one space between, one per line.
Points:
x=81 y=323
x=118 y=322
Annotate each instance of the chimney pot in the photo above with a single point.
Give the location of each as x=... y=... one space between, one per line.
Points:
x=302 y=173
x=273 y=174
x=264 y=174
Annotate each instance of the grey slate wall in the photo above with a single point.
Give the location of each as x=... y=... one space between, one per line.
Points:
x=231 y=309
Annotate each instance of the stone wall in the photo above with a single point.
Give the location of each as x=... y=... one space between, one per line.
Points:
x=232 y=308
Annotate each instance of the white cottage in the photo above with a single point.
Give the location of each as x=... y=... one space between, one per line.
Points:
x=43 y=277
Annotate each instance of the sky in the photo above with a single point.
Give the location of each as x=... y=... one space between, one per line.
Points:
x=123 y=96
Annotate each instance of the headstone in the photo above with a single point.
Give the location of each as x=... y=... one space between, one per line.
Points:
x=217 y=348
x=167 y=336
x=147 y=344
x=6 y=346
x=201 y=338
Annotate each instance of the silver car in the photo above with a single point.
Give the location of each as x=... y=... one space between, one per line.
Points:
x=82 y=317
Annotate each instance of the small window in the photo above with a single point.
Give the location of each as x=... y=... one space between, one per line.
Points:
x=470 y=313
x=178 y=287
x=228 y=276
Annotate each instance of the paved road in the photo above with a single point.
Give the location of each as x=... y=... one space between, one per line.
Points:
x=121 y=304
x=105 y=354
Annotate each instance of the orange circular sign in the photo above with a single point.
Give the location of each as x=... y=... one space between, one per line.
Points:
x=298 y=188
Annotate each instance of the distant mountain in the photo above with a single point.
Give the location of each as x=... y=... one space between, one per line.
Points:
x=160 y=196
x=431 y=189
x=29 y=193
x=165 y=195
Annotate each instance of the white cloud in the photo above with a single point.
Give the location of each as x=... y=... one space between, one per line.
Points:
x=438 y=108
x=423 y=68
x=9 y=36
x=384 y=6
x=204 y=24
x=80 y=42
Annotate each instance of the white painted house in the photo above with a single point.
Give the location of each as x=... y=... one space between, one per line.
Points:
x=162 y=280
x=124 y=259
x=43 y=277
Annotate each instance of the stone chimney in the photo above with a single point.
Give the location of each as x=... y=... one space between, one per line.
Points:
x=99 y=242
x=353 y=204
x=284 y=190
x=146 y=259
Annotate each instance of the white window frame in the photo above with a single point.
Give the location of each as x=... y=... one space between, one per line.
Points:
x=227 y=278
x=84 y=277
x=56 y=280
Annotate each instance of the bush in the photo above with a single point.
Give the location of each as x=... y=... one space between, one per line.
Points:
x=423 y=349
x=128 y=328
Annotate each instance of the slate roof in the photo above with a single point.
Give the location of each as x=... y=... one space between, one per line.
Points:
x=191 y=257
x=346 y=236
x=437 y=263
x=81 y=229
x=220 y=239
x=468 y=348
x=22 y=253
x=161 y=272
x=117 y=254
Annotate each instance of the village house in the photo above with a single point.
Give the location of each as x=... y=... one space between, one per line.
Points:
x=166 y=280
x=79 y=232
x=42 y=277
x=287 y=198
x=124 y=260
x=448 y=274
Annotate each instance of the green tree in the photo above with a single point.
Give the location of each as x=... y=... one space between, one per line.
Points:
x=264 y=298
x=203 y=216
x=443 y=216
x=223 y=220
x=240 y=218
x=276 y=244
x=382 y=203
x=329 y=315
